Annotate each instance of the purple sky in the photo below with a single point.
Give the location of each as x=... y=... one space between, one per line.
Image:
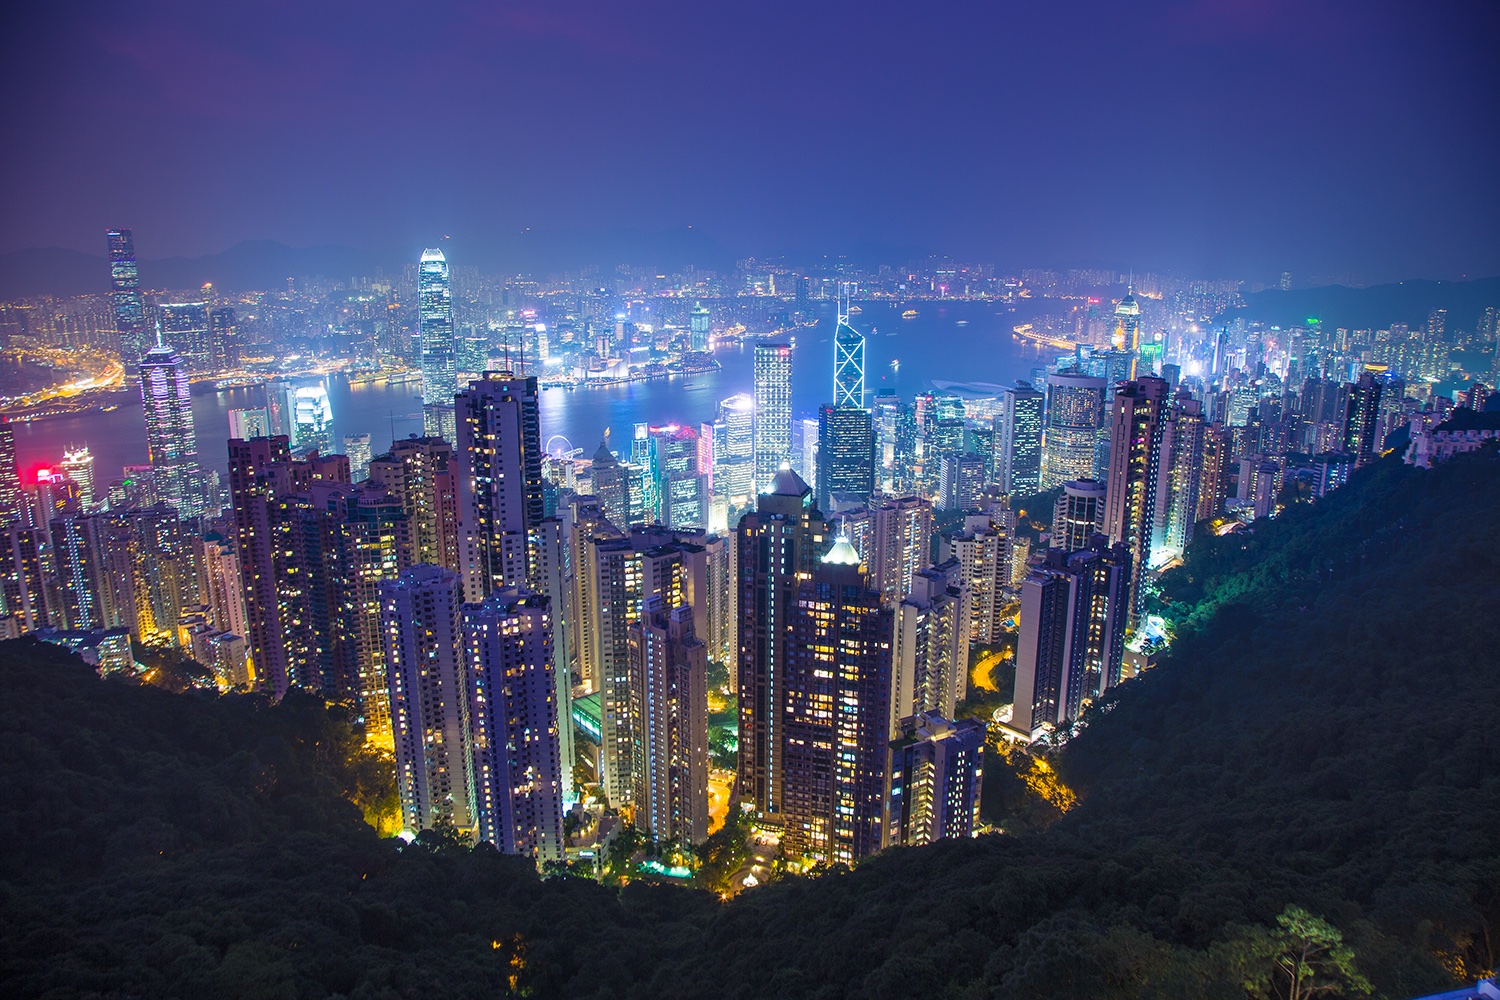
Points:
x=1236 y=138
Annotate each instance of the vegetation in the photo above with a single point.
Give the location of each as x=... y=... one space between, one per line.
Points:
x=1301 y=801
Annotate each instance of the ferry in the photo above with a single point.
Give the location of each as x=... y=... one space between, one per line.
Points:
x=855 y=310
x=963 y=322
x=909 y=314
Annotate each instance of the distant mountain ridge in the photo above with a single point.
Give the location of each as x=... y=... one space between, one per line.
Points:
x=1376 y=307
x=267 y=264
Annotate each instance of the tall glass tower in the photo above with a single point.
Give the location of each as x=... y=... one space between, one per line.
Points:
x=848 y=362
x=773 y=411
x=170 y=439
x=435 y=317
x=125 y=291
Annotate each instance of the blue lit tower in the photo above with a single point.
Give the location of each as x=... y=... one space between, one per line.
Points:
x=125 y=293
x=435 y=318
x=848 y=362
x=170 y=438
x=773 y=411
x=698 y=328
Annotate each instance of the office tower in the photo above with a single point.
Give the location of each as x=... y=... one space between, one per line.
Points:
x=893 y=537
x=512 y=725
x=848 y=363
x=223 y=339
x=1075 y=414
x=775 y=545
x=1078 y=514
x=1361 y=416
x=10 y=477
x=931 y=671
x=679 y=488
x=982 y=548
x=937 y=768
x=357 y=449
x=125 y=296
x=249 y=423
x=1136 y=470
x=960 y=481
x=500 y=479
x=78 y=465
x=435 y=325
x=734 y=450
x=773 y=411
x=420 y=473
x=846 y=456
x=698 y=328
x=419 y=622
x=1178 y=503
x=1072 y=643
x=171 y=442
x=1018 y=440
x=23 y=598
x=313 y=414
x=669 y=674
x=611 y=485
x=804 y=457
x=1127 y=336
x=183 y=326
x=837 y=712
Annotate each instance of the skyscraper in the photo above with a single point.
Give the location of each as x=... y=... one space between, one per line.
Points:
x=848 y=363
x=1072 y=642
x=1018 y=440
x=125 y=295
x=1177 y=511
x=837 y=712
x=78 y=465
x=960 y=481
x=669 y=673
x=171 y=442
x=1078 y=514
x=773 y=411
x=679 y=489
x=10 y=477
x=611 y=485
x=937 y=767
x=512 y=723
x=846 y=455
x=734 y=450
x=893 y=537
x=1075 y=413
x=931 y=672
x=1137 y=467
x=435 y=321
x=357 y=448
x=698 y=321
x=1361 y=418
x=982 y=548
x=778 y=544
x=183 y=326
x=419 y=619
x=500 y=479
x=423 y=477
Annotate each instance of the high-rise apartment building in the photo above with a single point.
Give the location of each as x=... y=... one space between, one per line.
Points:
x=1361 y=419
x=937 y=768
x=125 y=297
x=837 y=713
x=961 y=479
x=435 y=323
x=982 y=548
x=357 y=450
x=500 y=479
x=773 y=411
x=669 y=676
x=1075 y=414
x=1178 y=504
x=512 y=724
x=1072 y=642
x=1018 y=440
x=611 y=481
x=421 y=474
x=420 y=624
x=10 y=477
x=777 y=546
x=171 y=440
x=893 y=537
x=931 y=667
x=846 y=456
x=1078 y=514
x=1137 y=470
x=23 y=600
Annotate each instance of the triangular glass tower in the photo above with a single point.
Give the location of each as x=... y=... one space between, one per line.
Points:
x=848 y=361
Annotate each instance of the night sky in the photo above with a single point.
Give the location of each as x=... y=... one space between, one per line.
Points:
x=1231 y=138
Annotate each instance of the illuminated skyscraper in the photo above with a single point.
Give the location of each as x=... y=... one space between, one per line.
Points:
x=894 y=540
x=512 y=723
x=837 y=712
x=1075 y=414
x=78 y=465
x=420 y=473
x=1361 y=418
x=1078 y=514
x=10 y=477
x=669 y=673
x=435 y=320
x=1137 y=465
x=1127 y=336
x=611 y=485
x=357 y=448
x=681 y=496
x=937 y=767
x=698 y=328
x=171 y=442
x=500 y=479
x=983 y=550
x=846 y=455
x=249 y=423
x=125 y=294
x=183 y=326
x=1018 y=440
x=1177 y=510
x=848 y=363
x=223 y=339
x=931 y=671
x=773 y=411
x=734 y=450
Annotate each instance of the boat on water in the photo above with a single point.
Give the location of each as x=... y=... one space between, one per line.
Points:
x=963 y=322
x=909 y=314
x=855 y=310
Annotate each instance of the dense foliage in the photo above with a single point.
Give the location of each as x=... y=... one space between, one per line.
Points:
x=1307 y=787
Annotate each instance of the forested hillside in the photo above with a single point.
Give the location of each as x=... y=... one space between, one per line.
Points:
x=1318 y=757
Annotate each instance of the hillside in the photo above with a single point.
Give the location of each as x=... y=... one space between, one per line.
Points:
x=1376 y=307
x=1323 y=736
